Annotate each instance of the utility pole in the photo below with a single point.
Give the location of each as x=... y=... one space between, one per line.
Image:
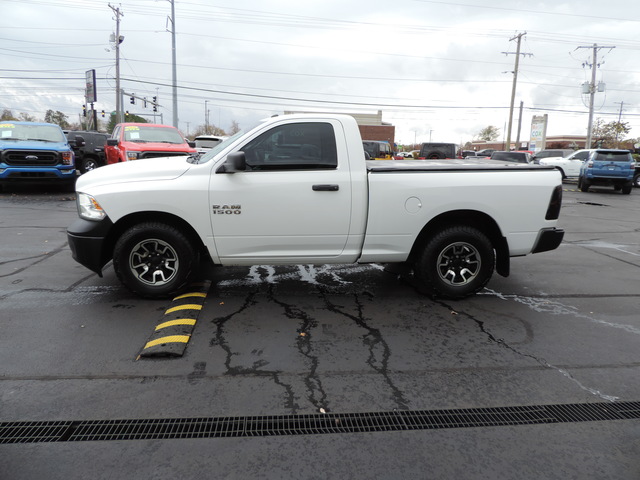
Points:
x=515 y=81
x=619 y=123
x=519 y=125
x=118 y=40
x=173 y=64
x=592 y=89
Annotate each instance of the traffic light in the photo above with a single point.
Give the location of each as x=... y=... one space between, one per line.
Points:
x=144 y=102
x=155 y=104
x=126 y=114
x=84 y=110
x=102 y=113
x=132 y=100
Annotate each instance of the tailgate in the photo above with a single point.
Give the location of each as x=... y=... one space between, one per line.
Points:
x=611 y=164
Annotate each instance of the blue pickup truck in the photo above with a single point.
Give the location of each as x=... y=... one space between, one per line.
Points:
x=35 y=152
x=608 y=167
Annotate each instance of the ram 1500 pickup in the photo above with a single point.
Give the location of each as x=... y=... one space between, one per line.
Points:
x=296 y=189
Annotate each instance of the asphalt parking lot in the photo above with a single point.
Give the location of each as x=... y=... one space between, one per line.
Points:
x=323 y=371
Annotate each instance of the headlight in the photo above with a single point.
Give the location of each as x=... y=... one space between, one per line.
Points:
x=132 y=155
x=89 y=208
x=67 y=158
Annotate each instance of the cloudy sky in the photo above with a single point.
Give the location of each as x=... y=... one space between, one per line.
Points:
x=437 y=70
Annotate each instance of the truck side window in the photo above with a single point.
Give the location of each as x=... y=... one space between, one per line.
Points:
x=295 y=146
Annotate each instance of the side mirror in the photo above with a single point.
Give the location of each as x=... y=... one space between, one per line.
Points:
x=192 y=144
x=112 y=142
x=80 y=142
x=235 y=162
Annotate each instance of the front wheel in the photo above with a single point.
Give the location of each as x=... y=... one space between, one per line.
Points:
x=89 y=164
x=155 y=260
x=456 y=263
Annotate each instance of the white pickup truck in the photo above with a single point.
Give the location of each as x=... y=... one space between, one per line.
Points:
x=296 y=189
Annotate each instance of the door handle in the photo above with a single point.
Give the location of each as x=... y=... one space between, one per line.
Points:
x=326 y=188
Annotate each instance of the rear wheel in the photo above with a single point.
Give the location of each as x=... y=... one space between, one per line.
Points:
x=626 y=189
x=456 y=263
x=155 y=260
x=583 y=185
x=636 y=181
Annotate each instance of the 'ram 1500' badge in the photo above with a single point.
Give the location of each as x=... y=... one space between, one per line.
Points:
x=227 y=209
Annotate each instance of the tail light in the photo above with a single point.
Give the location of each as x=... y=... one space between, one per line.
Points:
x=553 y=212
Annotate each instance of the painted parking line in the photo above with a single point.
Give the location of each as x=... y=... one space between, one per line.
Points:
x=172 y=334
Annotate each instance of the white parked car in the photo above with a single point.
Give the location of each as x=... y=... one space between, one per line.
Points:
x=569 y=166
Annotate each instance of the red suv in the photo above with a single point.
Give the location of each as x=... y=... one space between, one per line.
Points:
x=134 y=141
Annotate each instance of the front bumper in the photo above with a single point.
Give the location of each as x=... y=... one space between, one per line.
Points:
x=88 y=243
x=549 y=239
x=16 y=174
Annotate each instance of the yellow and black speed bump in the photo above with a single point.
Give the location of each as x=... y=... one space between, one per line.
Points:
x=172 y=334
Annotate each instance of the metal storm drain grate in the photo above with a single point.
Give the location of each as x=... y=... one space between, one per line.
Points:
x=314 y=424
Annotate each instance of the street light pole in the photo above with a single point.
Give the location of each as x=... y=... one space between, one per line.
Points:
x=206 y=118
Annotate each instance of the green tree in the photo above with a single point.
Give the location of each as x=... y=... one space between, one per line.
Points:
x=609 y=135
x=489 y=134
x=57 y=117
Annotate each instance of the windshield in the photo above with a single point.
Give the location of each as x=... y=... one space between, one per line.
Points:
x=28 y=132
x=219 y=147
x=142 y=134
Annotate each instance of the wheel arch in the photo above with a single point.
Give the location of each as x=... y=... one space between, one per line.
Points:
x=472 y=218
x=137 y=218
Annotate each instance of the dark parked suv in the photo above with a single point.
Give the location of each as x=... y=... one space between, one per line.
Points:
x=608 y=167
x=89 y=149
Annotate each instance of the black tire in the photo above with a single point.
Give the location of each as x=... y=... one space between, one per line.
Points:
x=456 y=263
x=617 y=188
x=626 y=189
x=583 y=185
x=155 y=260
x=636 y=181
x=89 y=164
